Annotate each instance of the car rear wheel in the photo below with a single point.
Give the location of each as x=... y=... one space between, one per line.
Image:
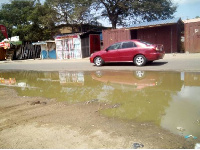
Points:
x=98 y=61
x=140 y=60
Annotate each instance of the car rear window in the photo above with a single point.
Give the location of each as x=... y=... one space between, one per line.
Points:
x=146 y=43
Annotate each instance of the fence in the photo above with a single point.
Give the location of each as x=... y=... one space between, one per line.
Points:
x=27 y=51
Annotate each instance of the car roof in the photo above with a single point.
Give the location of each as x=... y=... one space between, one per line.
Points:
x=132 y=40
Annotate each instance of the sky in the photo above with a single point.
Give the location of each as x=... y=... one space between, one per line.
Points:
x=187 y=9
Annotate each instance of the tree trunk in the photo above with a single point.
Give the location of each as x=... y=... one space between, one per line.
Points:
x=114 y=24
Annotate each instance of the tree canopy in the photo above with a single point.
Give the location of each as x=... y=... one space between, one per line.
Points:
x=32 y=20
x=124 y=12
x=26 y=19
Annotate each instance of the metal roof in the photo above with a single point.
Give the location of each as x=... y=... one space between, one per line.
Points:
x=74 y=35
x=192 y=20
x=155 y=23
x=43 y=42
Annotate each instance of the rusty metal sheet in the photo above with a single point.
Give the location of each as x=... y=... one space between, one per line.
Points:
x=192 y=37
x=115 y=35
x=166 y=35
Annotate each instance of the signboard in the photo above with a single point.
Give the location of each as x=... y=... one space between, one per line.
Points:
x=3 y=30
x=68 y=48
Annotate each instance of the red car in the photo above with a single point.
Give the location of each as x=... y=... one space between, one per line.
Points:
x=137 y=51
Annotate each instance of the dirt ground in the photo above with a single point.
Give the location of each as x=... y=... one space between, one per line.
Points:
x=40 y=123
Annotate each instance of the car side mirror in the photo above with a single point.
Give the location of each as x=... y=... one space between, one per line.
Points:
x=106 y=49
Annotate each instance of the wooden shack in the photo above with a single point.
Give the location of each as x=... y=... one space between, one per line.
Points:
x=2 y=53
x=77 y=45
x=167 y=32
x=192 y=35
x=48 y=49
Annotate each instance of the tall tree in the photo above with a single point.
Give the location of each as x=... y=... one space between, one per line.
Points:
x=121 y=12
x=14 y=16
x=72 y=11
x=154 y=9
x=27 y=19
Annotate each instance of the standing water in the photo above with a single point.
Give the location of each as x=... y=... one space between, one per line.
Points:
x=168 y=99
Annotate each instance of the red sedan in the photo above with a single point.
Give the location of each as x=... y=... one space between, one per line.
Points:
x=137 y=51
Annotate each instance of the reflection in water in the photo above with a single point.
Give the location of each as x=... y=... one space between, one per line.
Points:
x=168 y=99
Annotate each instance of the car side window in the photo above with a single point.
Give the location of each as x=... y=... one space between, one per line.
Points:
x=128 y=45
x=114 y=46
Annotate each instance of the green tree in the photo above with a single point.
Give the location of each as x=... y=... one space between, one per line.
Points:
x=43 y=20
x=27 y=19
x=121 y=12
x=154 y=9
x=72 y=12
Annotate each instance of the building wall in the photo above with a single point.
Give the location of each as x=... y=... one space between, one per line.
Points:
x=115 y=35
x=48 y=51
x=166 y=35
x=2 y=53
x=192 y=37
x=68 y=48
x=85 y=47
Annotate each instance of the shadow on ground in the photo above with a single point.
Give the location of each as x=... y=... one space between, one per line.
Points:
x=132 y=64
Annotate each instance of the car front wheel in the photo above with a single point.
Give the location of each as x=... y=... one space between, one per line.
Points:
x=139 y=60
x=98 y=61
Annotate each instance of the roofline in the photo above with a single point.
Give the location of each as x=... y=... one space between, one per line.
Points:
x=151 y=26
x=156 y=25
x=191 y=20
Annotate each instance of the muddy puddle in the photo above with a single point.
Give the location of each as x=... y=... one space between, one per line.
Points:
x=167 y=99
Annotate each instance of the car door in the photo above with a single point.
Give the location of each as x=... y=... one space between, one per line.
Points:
x=112 y=54
x=127 y=51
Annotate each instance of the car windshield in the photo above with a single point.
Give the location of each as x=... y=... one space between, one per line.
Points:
x=144 y=42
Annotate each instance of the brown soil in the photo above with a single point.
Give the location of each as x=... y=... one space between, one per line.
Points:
x=39 y=123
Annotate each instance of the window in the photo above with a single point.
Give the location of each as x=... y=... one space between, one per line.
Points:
x=128 y=45
x=146 y=43
x=114 y=46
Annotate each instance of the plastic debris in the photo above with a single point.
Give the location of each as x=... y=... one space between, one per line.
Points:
x=137 y=145
x=180 y=128
x=188 y=136
x=197 y=146
x=198 y=122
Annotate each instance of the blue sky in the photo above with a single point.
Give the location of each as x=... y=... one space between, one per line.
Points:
x=187 y=9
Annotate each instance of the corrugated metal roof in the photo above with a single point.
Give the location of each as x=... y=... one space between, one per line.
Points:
x=192 y=20
x=74 y=35
x=68 y=35
x=43 y=42
x=155 y=23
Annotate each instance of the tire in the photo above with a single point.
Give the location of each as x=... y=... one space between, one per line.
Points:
x=140 y=60
x=98 y=61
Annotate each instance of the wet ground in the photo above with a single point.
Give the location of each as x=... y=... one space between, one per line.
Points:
x=99 y=109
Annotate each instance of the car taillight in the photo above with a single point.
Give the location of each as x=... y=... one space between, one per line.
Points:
x=157 y=48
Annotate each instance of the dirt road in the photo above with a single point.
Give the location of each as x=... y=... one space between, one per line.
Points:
x=41 y=123
x=171 y=62
x=34 y=123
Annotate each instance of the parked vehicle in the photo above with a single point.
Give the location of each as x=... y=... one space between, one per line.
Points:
x=137 y=51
